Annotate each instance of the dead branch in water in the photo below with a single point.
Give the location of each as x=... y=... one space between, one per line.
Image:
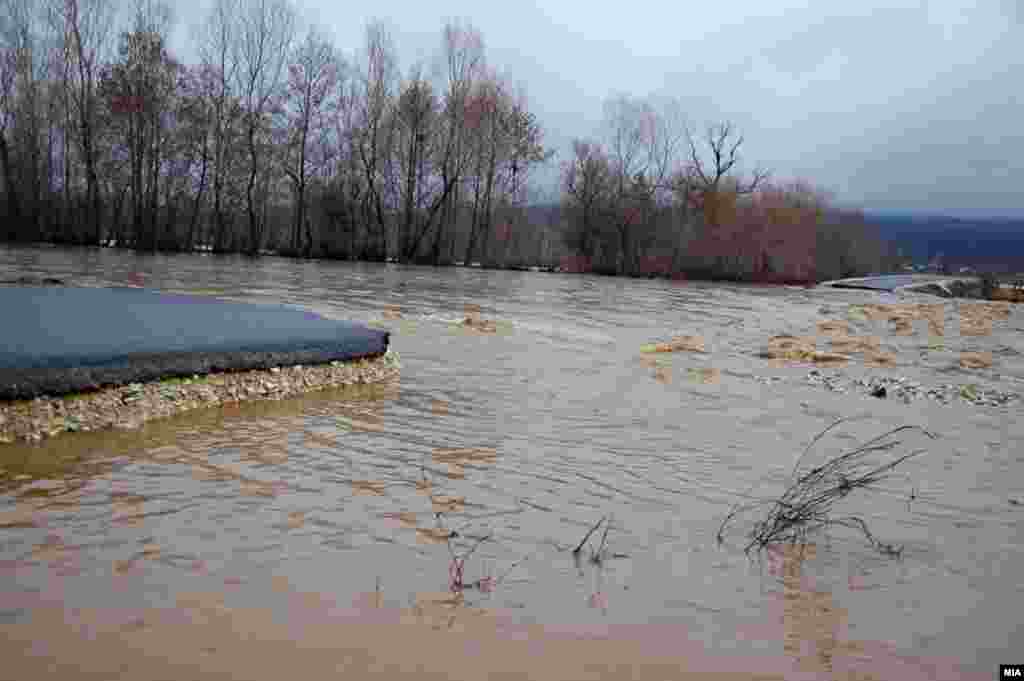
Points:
x=808 y=504
x=579 y=547
x=601 y=554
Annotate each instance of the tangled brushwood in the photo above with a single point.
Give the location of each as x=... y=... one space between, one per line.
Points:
x=811 y=501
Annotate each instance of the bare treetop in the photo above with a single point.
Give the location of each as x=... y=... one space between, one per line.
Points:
x=723 y=142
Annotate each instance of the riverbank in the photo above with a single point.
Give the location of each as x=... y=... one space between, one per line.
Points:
x=130 y=406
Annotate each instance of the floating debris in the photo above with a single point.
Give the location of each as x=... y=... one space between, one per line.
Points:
x=705 y=375
x=834 y=328
x=677 y=344
x=782 y=349
x=975 y=360
x=368 y=487
x=908 y=391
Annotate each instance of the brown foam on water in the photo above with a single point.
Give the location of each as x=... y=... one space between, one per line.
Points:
x=401 y=518
x=855 y=344
x=902 y=316
x=834 y=328
x=368 y=487
x=433 y=535
x=678 y=344
x=880 y=360
x=785 y=349
x=443 y=503
x=316 y=440
x=975 y=360
x=705 y=375
x=296 y=519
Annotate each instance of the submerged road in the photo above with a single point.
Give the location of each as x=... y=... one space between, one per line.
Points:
x=892 y=282
x=64 y=339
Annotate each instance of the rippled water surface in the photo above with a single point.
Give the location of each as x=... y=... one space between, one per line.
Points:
x=519 y=442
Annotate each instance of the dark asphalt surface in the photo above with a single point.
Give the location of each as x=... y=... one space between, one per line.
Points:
x=57 y=339
x=889 y=282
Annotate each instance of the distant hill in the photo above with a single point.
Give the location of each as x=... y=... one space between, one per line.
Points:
x=987 y=243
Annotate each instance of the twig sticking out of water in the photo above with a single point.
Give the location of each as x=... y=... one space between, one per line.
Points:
x=599 y=556
x=808 y=503
x=456 y=570
x=579 y=547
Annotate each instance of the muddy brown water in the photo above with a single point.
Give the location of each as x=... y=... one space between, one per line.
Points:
x=301 y=512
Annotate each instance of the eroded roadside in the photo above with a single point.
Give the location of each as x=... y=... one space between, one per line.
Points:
x=132 y=405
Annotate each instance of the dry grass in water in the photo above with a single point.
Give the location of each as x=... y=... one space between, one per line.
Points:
x=704 y=375
x=1008 y=294
x=368 y=487
x=834 y=328
x=811 y=501
x=976 y=319
x=132 y=405
x=903 y=316
x=879 y=360
x=475 y=322
x=785 y=349
x=975 y=326
x=402 y=518
x=975 y=360
x=850 y=345
x=444 y=503
x=677 y=344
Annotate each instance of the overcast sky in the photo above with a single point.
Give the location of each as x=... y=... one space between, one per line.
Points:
x=904 y=105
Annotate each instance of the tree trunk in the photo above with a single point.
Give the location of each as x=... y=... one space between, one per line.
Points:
x=473 y=226
x=254 y=227
x=197 y=202
x=13 y=204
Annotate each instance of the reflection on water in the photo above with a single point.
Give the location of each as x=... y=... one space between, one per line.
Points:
x=526 y=437
x=811 y=618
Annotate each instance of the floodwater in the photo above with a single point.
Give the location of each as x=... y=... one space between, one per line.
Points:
x=333 y=527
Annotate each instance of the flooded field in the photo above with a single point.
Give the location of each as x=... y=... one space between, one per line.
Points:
x=412 y=521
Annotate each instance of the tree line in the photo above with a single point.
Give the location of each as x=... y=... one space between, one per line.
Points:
x=274 y=140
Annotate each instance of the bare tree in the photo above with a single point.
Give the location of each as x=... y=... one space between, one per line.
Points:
x=23 y=69
x=313 y=82
x=416 y=118
x=712 y=169
x=643 y=137
x=139 y=89
x=85 y=26
x=588 y=187
x=374 y=131
x=217 y=38
x=462 y=58
x=8 y=74
x=266 y=31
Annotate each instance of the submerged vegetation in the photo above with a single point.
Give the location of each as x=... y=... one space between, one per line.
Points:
x=812 y=500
